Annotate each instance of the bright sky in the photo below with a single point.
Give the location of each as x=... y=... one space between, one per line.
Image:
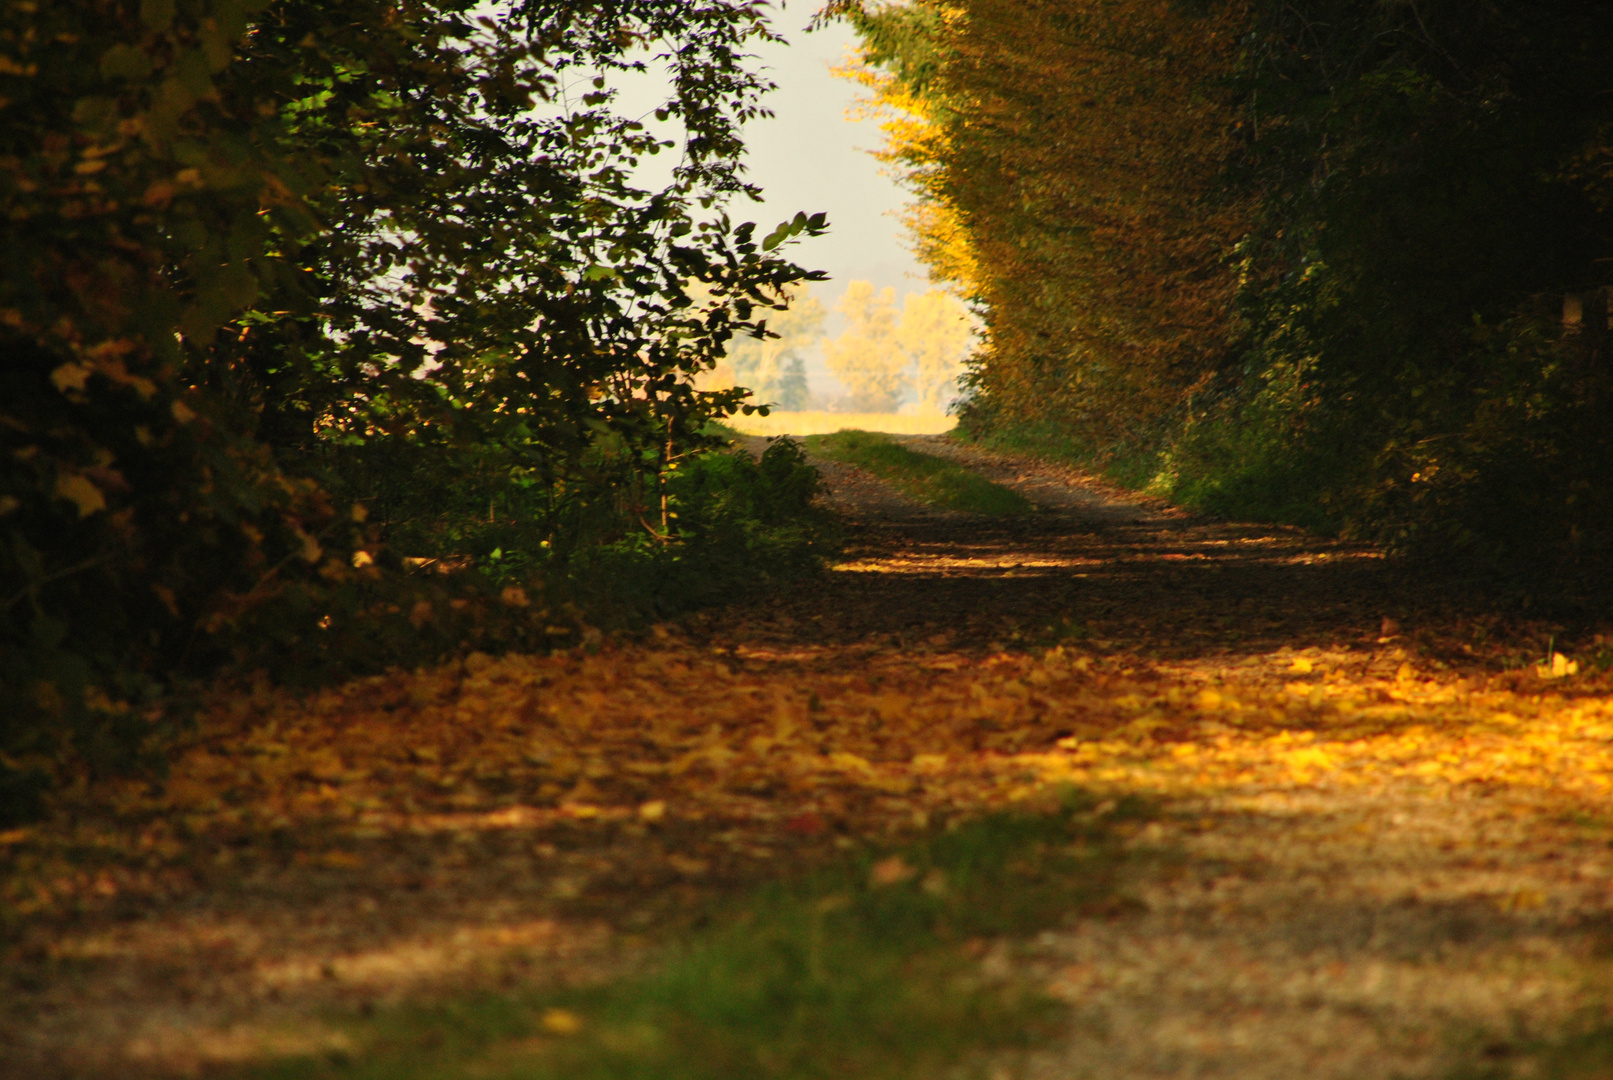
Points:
x=811 y=157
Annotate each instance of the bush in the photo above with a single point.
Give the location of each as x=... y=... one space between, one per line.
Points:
x=742 y=525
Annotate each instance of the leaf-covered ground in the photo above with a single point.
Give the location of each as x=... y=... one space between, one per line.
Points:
x=1383 y=845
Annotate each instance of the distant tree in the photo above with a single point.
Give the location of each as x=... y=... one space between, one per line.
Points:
x=866 y=358
x=934 y=336
x=774 y=367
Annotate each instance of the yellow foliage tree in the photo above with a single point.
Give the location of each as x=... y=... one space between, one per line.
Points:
x=1069 y=163
x=775 y=367
x=934 y=336
x=866 y=358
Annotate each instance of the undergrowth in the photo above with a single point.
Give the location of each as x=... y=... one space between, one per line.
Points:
x=865 y=969
x=469 y=561
x=926 y=477
x=739 y=526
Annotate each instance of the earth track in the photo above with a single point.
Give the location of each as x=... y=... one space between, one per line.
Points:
x=1378 y=854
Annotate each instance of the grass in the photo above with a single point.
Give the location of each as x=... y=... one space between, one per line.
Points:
x=1585 y=1054
x=1238 y=472
x=864 y=970
x=926 y=477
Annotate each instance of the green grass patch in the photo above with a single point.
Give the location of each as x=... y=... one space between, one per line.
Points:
x=1583 y=1054
x=926 y=477
x=1240 y=471
x=868 y=969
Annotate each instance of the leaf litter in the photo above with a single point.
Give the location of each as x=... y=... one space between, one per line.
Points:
x=1392 y=847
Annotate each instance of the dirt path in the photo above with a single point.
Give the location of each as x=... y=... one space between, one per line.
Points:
x=1380 y=855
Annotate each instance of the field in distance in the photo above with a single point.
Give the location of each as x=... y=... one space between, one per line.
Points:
x=827 y=423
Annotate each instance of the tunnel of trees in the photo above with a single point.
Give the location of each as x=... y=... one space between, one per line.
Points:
x=303 y=298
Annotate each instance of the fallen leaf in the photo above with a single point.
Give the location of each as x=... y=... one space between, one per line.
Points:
x=890 y=871
x=561 y=1022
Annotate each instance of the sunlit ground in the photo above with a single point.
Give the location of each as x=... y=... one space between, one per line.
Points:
x=1365 y=854
x=826 y=423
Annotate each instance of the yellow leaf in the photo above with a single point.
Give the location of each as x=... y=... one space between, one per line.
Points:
x=80 y=492
x=654 y=810
x=561 y=1022
x=849 y=762
x=686 y=866
x=169 y=601
x=890 y=871
x=70 y=377
x=1301 y=665
x=1559 y=667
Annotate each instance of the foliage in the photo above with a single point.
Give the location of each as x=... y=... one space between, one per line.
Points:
x=882 y=356
x=1090 y=254
x=259 y=253
x=865 y=358
x=1423 y=221
x=737 y=525
x=928 y=478
x=1310 y=258
x=935 y=336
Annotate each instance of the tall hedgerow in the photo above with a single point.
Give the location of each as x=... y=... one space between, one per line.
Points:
x=1342 y=262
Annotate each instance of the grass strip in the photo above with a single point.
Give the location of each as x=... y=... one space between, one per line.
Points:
x=928 y=478
x=1583 y=1054
x=864 y=970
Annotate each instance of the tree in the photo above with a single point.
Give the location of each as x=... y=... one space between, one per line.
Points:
x=1304 y=259
x=1068 y=162
x=934 y=336
x=865 y=358
x=774 y=367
